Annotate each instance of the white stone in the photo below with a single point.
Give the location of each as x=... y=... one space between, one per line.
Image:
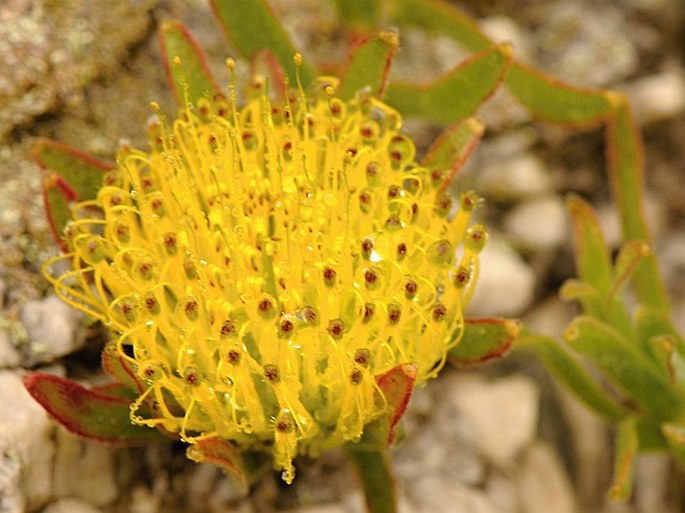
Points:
x=502 y=29
x=543 y=484
x=515 y=178
x=70 y=505
x=502 y=414
x=658 y=97
x=9 y=356
x=26 y=447
x=84 y=469
x=540 y=223
x=51 y=326
x=431 y=494
x=550 y=316
x=505 y=284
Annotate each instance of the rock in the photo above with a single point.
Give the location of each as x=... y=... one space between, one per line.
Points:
x=501 y=415
x=51 y=326
x=26 y=448
x=85 y=470
x=515 y=178
x=550 y=316
x=658 y=97
x=431 y=495
x=586 y=43
x=505 y=284
x=45 y=61
x=70 y=505
x=502 y=29
x=9 y=356
x=543 y=484
x=540 y=223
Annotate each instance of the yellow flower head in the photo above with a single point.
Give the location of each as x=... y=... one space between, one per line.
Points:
x=260 y=267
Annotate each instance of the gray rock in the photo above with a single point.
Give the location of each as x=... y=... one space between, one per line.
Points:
x=501 y=415
x=540 y=223
x=543 y=484
x=26 y=448
x=70 y=505
x=506 y=283
x=84 y=470
x=658 y=97
x=515 y=178
x=9 y=356
x=51 y=326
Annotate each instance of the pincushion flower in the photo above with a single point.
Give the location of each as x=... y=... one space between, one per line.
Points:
x=261 y=266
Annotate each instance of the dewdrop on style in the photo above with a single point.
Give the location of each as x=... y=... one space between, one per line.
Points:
x=260 y=266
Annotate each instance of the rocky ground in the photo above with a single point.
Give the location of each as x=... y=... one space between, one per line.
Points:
x=500 y=439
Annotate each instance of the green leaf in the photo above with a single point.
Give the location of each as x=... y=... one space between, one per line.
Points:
x=71 y=175
x=369 y=65
x=630 y=255
x=251 y=26
x=87 y=413
x=552 y=100
x=454 y=146
x=636 y=374
x=484 y=340
x=569 y=371
x=626 y=449
x=626 y=162
x=360 y=16
x=397 y=386
x=659 y=338
x=221 y=453
x=374 y=471
x=593 y=261
x=457 y=94
x=117 y=367
x=675 y=436
x=439 y=17
x=192 y=76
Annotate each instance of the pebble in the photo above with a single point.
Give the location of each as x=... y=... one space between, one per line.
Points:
x=9 y=356
x=70 y=505
x=543 y=484
x=26 y=448
x=515 y=178
x=501 y=415
x=51 y=326
x=540 y=223
x=84 y=469
x=658 y=97
x=505 y=284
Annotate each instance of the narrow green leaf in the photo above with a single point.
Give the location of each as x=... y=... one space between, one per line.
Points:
x=360 y=16
x=593 y=261
x=569 y=371
x=439 y=17
x=87 y=413
x=397 y=386
x=191 y=77
x=552 y=100
x=221 y=453
x=626 y=449
x=659 y=338
x=251 y=26
x=626 y=162
x=373 y=469
x=454 y=146
x=630 y=255
x=456 y=95
x=369 y=65
x=81 y=172
x=675 y=436
x=484 y=340
x=636 y=374
x=650 y=437
x=117 y=367
x=71 y=176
